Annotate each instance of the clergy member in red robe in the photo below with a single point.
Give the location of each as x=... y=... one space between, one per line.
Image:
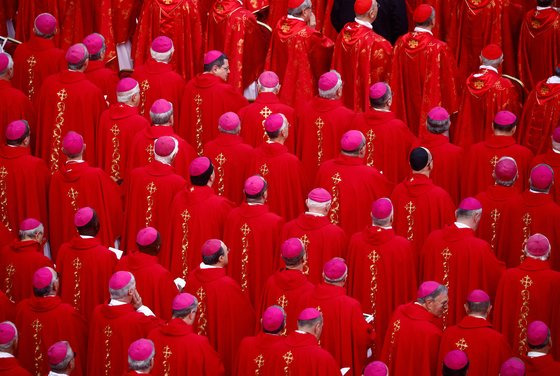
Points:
x=224 y=312
x=539 y=360
x=377 y=259
x=361 y=56
x=61 y=358
x=7 y=307
x=552 y=158
x=104 y=78
x=424 y=72
x=9 y=365
x=179 y=349
x=141 y=354
x=85 y=265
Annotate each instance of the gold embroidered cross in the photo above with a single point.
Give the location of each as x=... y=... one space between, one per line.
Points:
x=494 y=161
x=197 y=99
x=3 y=172
x=115 y=130
x=264 y=170
x=265 y=112
x=282 y=301
x=526 y=282
x=36 y=325
x=167 y=352
x=31 y=61
x=77 y=264
x=305 y=240
x=336 y=178
x=62 y=94
x=495 y=214
x=221 y=159
x=108 y=332
x=259 y=361
x=245 y=229
x=446 y=254
x=288 y=357
x=151 y=188
x=461 y=344
x=527 y=219
x=410 y=208
x=373 y=256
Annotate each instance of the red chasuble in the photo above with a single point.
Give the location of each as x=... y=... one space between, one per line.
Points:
x=485 y=347
x=481 y=159
x=322 y=240
x=11 y=367
x=197 y=214
x=149 y=192
x=353 y=187
x=44 y=321
x=104 y=78
x=287 y=180
x=84 y=267
x=111 y=330
x=444 y=14
x=542 y=365
x=224 y=312
x=233 y=160
x=75 y=186
x=255 y=354
x=320 y=125
x=552 y=159
x=462 y=262
x=346 y=335
x=154 y=283
x=18 y=263
x=253 y=235
x=178 y=20
x=24 y=183
x=278 y=10
x=539 y=46
x=423 y=76
x=206 y=97
x=68 y=101
x=487 y=93
x=180 y=351
x=7 y=308
x=541 y=114
x=299 y=55
x=15 y=106
x=378 y=259
x=527 y=293
x=363 y=58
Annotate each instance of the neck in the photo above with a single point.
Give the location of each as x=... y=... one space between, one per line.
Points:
x=423 y=172
x=503 y=133
x=296 y=267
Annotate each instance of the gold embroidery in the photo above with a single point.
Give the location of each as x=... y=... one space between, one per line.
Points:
x=265 y=113
x=185 y=241
x=446 y=254
x=526 y=233
x=144 y=87
x=478 y=84
x=374 y=257
x=57 y=130
x=282 y=301
x=370 y=137
x=264 y=170
x=31 y=61
x=495 y=215
x=285 y=27
x=319 y=123
x=166 y=355
x=37 y=339
x=245 y=230
x=494 y=161
x=108 y=333
x=410 y=208
x=412 y=43
x=4 y=198
x=201 y=295
x=151 y=189
x=462 y=344
x=305 y=241
x=220 y=160
x=526 y=282
x=73 y=195
x=150 y=151
x=77 y=264
x=116 y=155
x=335 y=199
x=8 y=282
x=396 y=328
x=288 y=359
x=198 y=101
x=259 y=362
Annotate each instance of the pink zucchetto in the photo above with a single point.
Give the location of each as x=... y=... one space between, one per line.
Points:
x=162 y=44
x=254 y=185
x=478 y=296
x=182 y=301
x=351 y=140
x=211 y=246
x=141 y=350
x=229 y=121
x=7 y=332
x=328 y=81
x=83 y=216
x=199 y=166
x=378 y=90
x=291 y=248
x=556 y=135
x=506 y=169
x=427 y=288
x=381 y=208
x=94 y=43
x=505 y=118
x=335 y=269
x=538 y=245
x=76 y=53
x=541 y=176
x=455 y=360
x=45 y=23
x=470 y=203
x=73 y=143
x=120 y=280
x=16 y=129
x=126 y=84
x=29 y=224
x=212 y=56
x=537 y=333
x=4 y=61
x=161 y=106
x=513 y=367
x=57 y=352
x=273 y=318
x=164 y=146
x=269 y=79
x=273 y=123
x=319 y=195
x=42 y=277
x=309 y=314
x=438 y=114
x=377 y=368
x=146 y=236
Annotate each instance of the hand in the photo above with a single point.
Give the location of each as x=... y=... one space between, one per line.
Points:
x=136 y=300
x=312 y=21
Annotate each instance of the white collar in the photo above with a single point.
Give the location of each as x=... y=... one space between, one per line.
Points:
x=300 y=331
x=381 y=109
x=543 y=8
x=384 y=227
x=114 y=303
x=488 y=67
x=5 y=355
x=204 y=266
x=477 y=316
x=52 y=373
x=461 y=225
x=290 y=17
x=315 y=214
x=555 y=151
x=86 y=237
x=75 y=161
x=363 y=23
x=530 y=190
x=535 y=354
x=255 y=203
x=419 y=29
x=553 y=80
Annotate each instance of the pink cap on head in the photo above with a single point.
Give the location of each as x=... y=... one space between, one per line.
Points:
x=506 y=169
x=120 y=280
x=470 y=203
x=556 y=134
x=291 y=248
x=182 y=301
x=269 y=79
x=362 y=6
x=455 y=360
x=4 y=61
x=76 y=53
x=377 y=368
x=146 y=236
x=94 y=43
x=273 y=122
x=513 y=367
x=7 y=332
x=273 y=318
x=328 y=81
x=335 y=269
x=45 y=23
x=309 y=314
x=504 y=118
x=199 y=166
x=537 y=333
x=126 y=84
x=438 y=114
x=164 y=146
x=73 y=143
x=161 y=106
x=57 y=352
x=538 y=245
x=211 y=246
x=141 y=349
x=381 y=208
x=162 y=44
x=351 y=140
x=292 y=4
x=254 y=185
x=319 y=195
x=377 y=90
x=229 y=121
x=212 y=56
x=541 y=176
x=42 y=277
x=16 y=129
x=29 y=224
x=427 y=288
x=478 y=296
x=422 y=13
x=492 y=52
x=83 y=216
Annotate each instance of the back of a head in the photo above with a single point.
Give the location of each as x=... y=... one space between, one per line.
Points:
x=478 y=303
x=308 y=318
x=86 y=221
x=183 y=304
x=148 y=241
x=424 y=15
x=379 y=95
x=292 y=252
x=29 y=228
x=161 y=112
x=212 y=250
x=44 y=280
x=45 y=25
x=120 y=284
x=273 y=320
x=140 y=355
x=541 y=178
x=492 y=55
x=274 y=124
x=352 y=143
x=296 y=7
x=77 y=56
x=162 y=49
x=200 y=171
x=255 y=188
x=455 y=363
x=505 y=171
x=504 y=122
x=95 y=44
x=16 y=132
x=126 y=89
x=329 y=84
x=8 y=336
x=545 y=3
x=438 y=120
x=6 y=65
x=213 y=59
x=419 y=158
x=60 y=355
x=335 y=271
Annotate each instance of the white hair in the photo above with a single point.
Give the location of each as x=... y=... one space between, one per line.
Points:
x=331 y=93
x=169 y=158
x=162 y=57
x=317 y=205
x=126 y=96
x=6 y=346
x=10 y=64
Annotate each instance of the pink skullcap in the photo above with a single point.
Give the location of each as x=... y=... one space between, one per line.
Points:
x=29 y=224
x=351 y=140
x=427 y=288
x=319 y=195
x=73 y=143
x=478 y=296
x=541 y=176
x=438 y=114
x=4 y=61
x=455 y=360
x=146 y=236
x=199 y=166
x=94 y=43
x=212 y=56
x=504 y=118
x=470 y=203
x=292 y=4
x=269 y=79
x=16 y=129
x=273 y=123
x=164 y=146
x=42 y=277
x=141 y=350
x=538 y=245
x=381 y=208
x=161 y=106
x=291 y=248
x=273 y=318
x=513 y=367
x=76 y=53
x=556 y=134
x=335 y=269
x=7 y=332
x=492 y=52
x=162 y=44
x=506 y=169
x=211 y=246
x=45 y=23
x=422 y=13
x=377 y=368
x=328 y=81
x=362 y=6
x=120 y=280
x=126 y=84
x=377 y=90
x=83 y=216
x=182 y=301
x=309 y=314
x=254 y=185
x=537 y=333
x=229 y=121
x=57 y=352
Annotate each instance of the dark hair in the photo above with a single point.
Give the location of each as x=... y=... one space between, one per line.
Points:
x=478 y=307
x=218 y=62
x=505 y=128
x=294 y=261
x=545 y=3
x=258 y=195
x=202 y=179
x=91 y=228
x=542 y=345
x=275 y=134
x=455 y=372
x=380 y=102
x=42 y=292
x=437 y=126
x=151 y=249
x=19 y=141
x=214 y=258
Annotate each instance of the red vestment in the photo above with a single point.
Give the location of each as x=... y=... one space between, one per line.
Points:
x=552 y=159
x=322 y=240
x=462 y=262
x=18 y=263
x=224 y=312
x=362 y=58
x=84 y=267
x=353 y=187
x=197 y=214
x=377 y=259
x=180 y=351
x=233 y=162
x=11 y=367
x=7 y=308
x=75 y=186
x=287 y=180
x=541 y=365
x=299 y=55
x=423 y=76
x=444 y=13
x=6 y=236
x=278 y=10
x=485 y=347
x=104 y=78
x=44 y=321
x=253 y=234
x=322 y=10
x=15 y=106
x=255 y=354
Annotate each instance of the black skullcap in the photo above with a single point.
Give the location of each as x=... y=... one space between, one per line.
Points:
x=419 y=158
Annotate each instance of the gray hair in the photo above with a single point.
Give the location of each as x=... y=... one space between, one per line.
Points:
x=438 y=126
x=440 y=290
x=126 y=96
x=141 y=365
x=66 y=361
x=10 y=65
x=296 y=12
x=184 y=312
x=169 y=158
x=462 y=213
x=121 y=293
x=31 y=233
x=331 y=93
x=6 y=346
x=317 y=205
x=493 y=63
x=81 y=63
x=382 y=222
x=162 y=57
x=163 y=118
x=263 y=89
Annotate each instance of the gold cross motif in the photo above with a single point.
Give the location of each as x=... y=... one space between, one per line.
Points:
x=150 y=151
x=336 y=178
x=373 y=256
x=115 y=130
x=527 y=219
x=77 y=264
x=265 y=112
x=221 y=159
x=3 y=172
x=413 y=43
x=410 y=208
x=62 y=94
x=264 y=170
x=167 y=352
x=319 y=123
x=245 y=229
x=259 y=361
x=526 y=282
x=461 y=344
x=108 y=332
x=151 y=188
x=305 y=240
x=31 y=61
x=495 y=214
x=370 y=138
x=282 y=301
x=185 y=215
x=36 y=325
x=285 y=28
x=446 y=254
x=288 y=357
x=198 y=99
x=494 y=161
x=8 y=283
x=73 y=195
x=144 y=87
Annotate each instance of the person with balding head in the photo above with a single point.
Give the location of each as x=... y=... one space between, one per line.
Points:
x=62 y=359
x=103 y=77
x=539 y=361
x=9 y=365
x=551 y=155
